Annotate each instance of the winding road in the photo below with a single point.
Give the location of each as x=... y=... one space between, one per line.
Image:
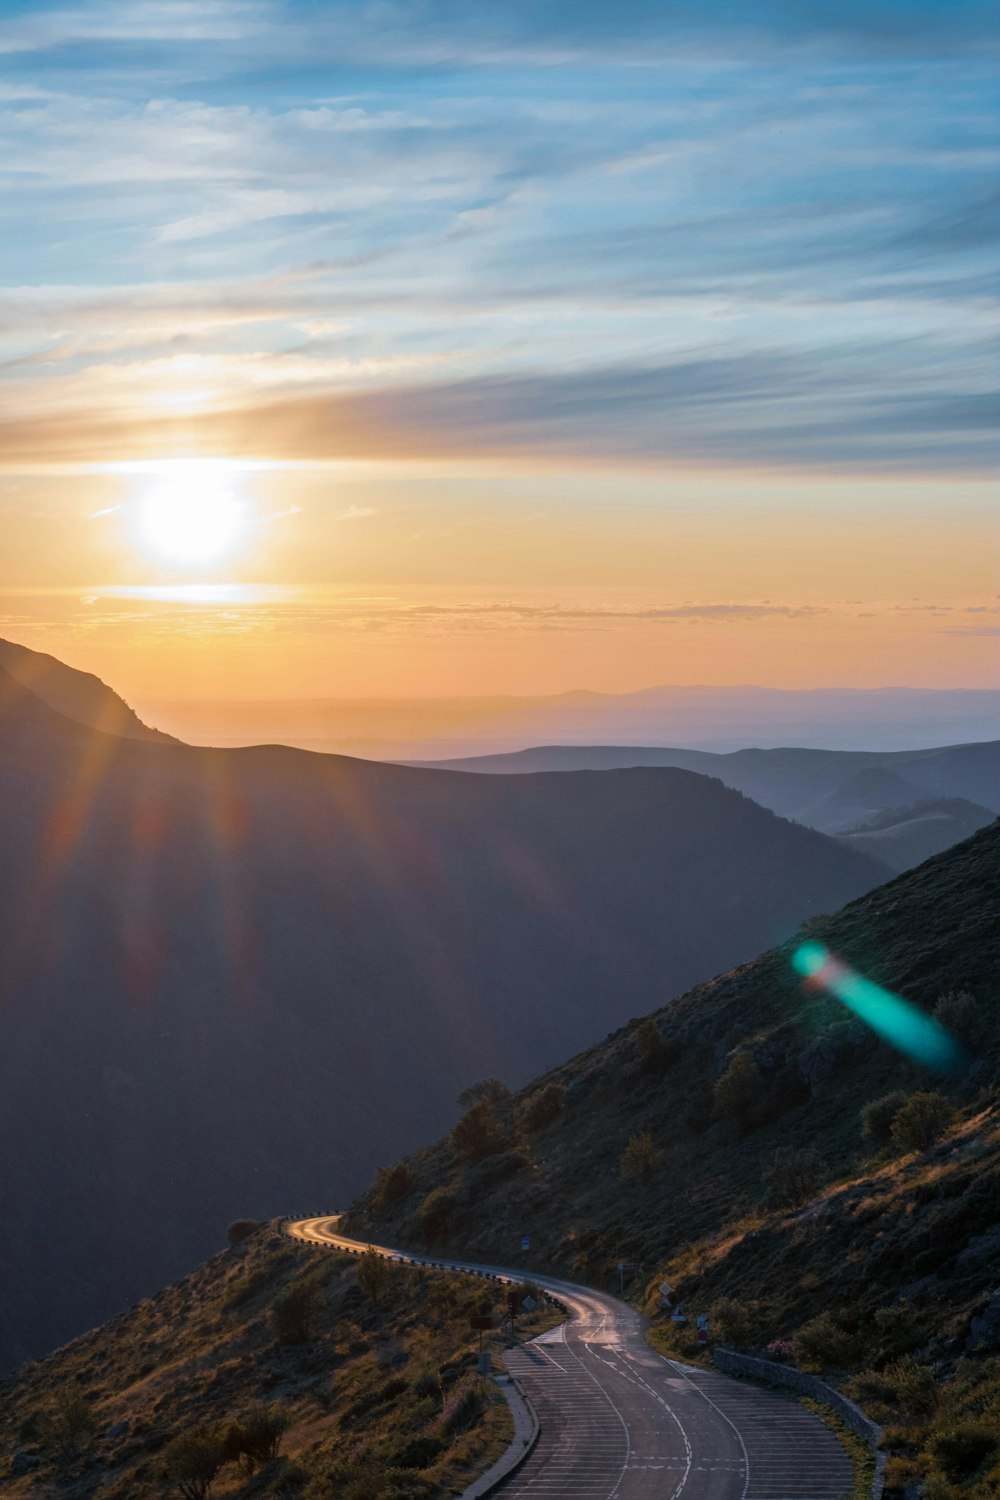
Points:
x=620 y=1422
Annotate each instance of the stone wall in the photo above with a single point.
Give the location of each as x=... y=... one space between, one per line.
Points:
x=769 y=1372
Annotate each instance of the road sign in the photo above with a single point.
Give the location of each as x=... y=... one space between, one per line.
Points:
x=481 y=1325
x=526 y=1242
x=529 y=1304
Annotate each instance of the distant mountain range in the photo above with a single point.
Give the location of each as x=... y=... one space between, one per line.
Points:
x=704 y=718
x=235 y=981
x=949 y=791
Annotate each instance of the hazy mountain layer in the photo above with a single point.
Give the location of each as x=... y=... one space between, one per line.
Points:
x=827 y=789
x=235 y=981
x=905 y=836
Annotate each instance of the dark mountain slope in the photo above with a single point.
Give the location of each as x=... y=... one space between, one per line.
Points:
x=234 y=981
x=933 y=930
x=795 y=783
x=77 y=695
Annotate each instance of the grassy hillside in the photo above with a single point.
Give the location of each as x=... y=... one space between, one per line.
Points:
x=905 y=836
x=364 y=1390
x=237 y=979
x=732 y=1148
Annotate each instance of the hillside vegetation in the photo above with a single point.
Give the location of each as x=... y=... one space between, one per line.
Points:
x=758 y=1147
x=274 y=1370
x=235 y=980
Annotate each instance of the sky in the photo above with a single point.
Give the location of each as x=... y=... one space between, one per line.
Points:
x=448 y=347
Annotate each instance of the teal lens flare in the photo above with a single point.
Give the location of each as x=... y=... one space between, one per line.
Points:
x=904 y=1026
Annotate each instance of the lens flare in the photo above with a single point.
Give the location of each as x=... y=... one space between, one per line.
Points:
x=904 y=1026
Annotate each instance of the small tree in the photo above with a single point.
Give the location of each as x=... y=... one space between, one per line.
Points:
x=878 y=1114
x=69 y=1424
x=373 y=1274
x=242 y=1229
x=542 y=1107
x=823 y=1342
x=959 y=1012
x=191 y=1461
x=640 y=1155
x=795 y=1174
x=731 y=1322
x=435 y=1212
x=256 y=1438
x=739 y=1089
x=294 y=1312
x=923 y=1119
x=489 y=1091
x=651 y=1049
x=391 y=1184
x=478 y=1133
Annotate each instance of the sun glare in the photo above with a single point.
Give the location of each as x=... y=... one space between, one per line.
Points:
x=191 y=511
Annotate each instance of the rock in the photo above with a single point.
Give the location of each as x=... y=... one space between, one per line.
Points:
x=981 y=1247
x=818 y=1062
x=23 y=1462
x=984 y=1330
x=115 y=1431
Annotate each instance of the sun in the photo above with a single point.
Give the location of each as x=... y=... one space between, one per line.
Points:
x=190 y=511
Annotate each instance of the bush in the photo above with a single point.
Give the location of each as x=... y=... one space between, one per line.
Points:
x=191 y=1461
x=541 y=1107
x=294 y=1312
x=463 y=1408
x=478 y=1133
x=68 y=1424
x=435 y=1213
x=640 y=1155
x=878 y=1114
x=242 y=1229
x=373 y=1274
x=739 y=1090
x=823 y=1342
x=794 y=1175
x=490 y=1091
x=256 y=1438
x=958 y=1011
x=731 y=1322
x=391 y=1184
x=915 y=1388
x=654 y=1051
x=923 y=1119
x=960 y=1451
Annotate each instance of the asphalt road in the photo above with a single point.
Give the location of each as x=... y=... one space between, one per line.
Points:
x=620 y=1422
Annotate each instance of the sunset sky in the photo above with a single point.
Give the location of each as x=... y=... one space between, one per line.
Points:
x=450 y=347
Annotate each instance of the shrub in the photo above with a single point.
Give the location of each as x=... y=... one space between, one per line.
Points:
x=192 y=1460
x=68 y=1424
x=731 y=1322
x=256 y=1438
x=490 y=1091
x=541 y=1107
x=959 y=1012
x=464 y=1406
x=654 y=1051
x=739 y=1089
x=640 y=1155
x=915 y=1388
x=794 y=1175
x=923 y=1119
x=478 y=1132
x=391 y=1184
x=294 y=1312
x=823 y=1342
x=961 y=1450
x=878 y=1114
x=435 y=1213
x=782 y=1349
x=242 y=1229
x=373 y=1274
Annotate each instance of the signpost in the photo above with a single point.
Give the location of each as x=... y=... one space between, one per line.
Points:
x=482 y=1325
x=526 y=1242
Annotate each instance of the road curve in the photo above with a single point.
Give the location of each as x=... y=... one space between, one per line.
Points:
x=620 y=1422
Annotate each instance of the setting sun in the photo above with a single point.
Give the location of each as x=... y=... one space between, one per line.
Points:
x=190 y=511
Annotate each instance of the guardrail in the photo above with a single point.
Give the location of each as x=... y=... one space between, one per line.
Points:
x=770 y=1372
